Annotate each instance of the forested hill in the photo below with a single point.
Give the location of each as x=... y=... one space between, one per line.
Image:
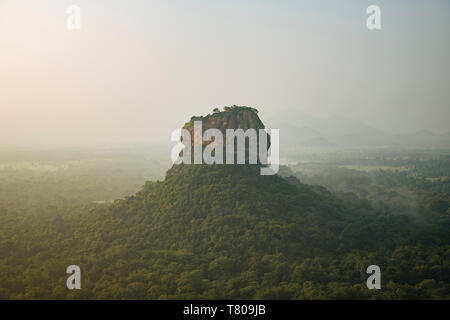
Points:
x=224 y=232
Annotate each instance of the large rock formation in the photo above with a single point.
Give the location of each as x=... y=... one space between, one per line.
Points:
x=234 y=117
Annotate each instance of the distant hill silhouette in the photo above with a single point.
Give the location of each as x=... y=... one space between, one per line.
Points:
x=298 y=129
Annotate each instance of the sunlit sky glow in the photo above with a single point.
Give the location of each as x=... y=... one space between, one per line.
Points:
x=138 y=69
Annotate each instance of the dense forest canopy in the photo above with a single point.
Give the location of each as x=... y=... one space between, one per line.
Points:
x=225 y=232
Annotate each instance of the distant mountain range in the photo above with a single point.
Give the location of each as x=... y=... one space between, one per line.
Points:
x=298 y=129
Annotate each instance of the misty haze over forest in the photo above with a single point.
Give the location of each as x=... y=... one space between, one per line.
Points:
x=86 y=177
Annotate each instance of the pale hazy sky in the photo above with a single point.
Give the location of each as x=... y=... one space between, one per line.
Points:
x=138 y=69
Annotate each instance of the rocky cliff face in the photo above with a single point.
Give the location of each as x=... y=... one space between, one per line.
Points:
x=235 y=117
